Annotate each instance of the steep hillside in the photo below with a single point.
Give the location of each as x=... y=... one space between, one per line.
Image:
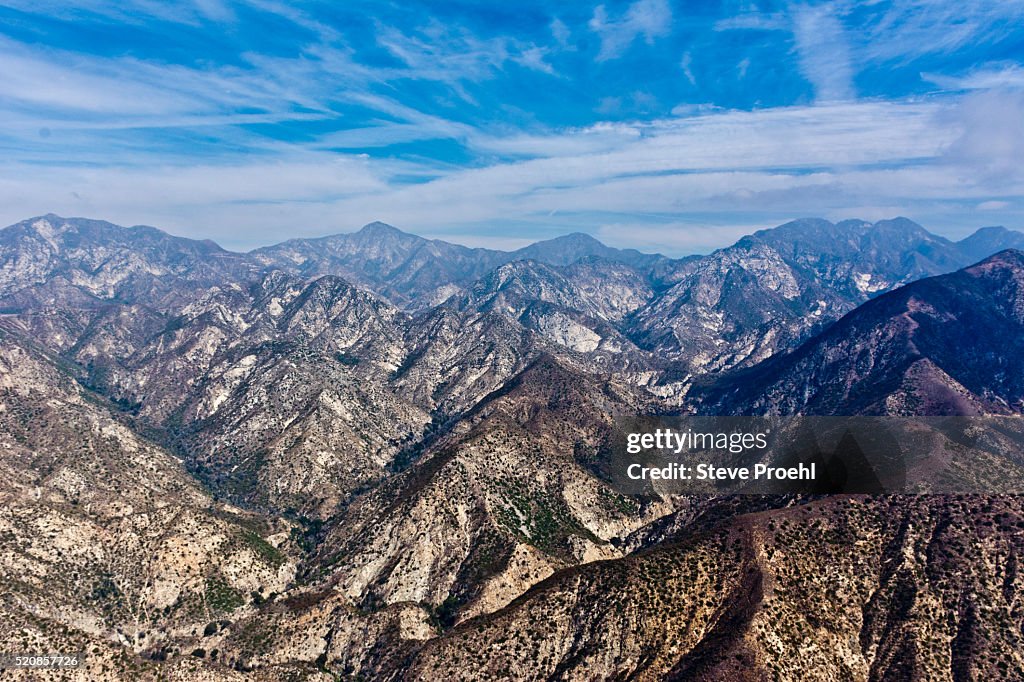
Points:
x=57 y=261
x=773 y=289
x=943 y=345
x=109 y=546
x=931 y=592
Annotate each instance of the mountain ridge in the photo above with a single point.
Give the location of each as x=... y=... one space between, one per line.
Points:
x=422 y=489
x=410 y=271
x=909 y=327
x=583 y=240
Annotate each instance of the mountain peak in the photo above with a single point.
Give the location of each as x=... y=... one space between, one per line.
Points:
x=378 y=228
x=989 y=240
x=900 y=224
x=577 y=238
x=565 y=249
x=990 y=230
x=815 y=227
x=53 y=226
x=794 y=232
x=47 y=226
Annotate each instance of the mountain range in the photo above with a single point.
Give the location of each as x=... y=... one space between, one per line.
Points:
x=373 y=454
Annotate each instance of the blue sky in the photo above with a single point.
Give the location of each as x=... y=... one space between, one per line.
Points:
x=671 y=126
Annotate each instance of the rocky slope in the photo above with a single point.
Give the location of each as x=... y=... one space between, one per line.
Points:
x=921 y=349
x=932 y=591
x=505 y=499
x=773 y=289
x=402 y=267
x=54 y=261
x=481 y=516
x=418 y=273
x=109 y=546
x=414 y=437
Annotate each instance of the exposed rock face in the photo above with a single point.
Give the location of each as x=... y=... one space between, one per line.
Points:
x=920 y=349
x=107 y=540
x=417 y=273
x=50 y=259
x=769 y=291
x=602 y=290
x=402 y=267
x=496 y=506
x=383 y=456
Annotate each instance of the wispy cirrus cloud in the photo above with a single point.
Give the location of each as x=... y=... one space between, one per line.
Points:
x=453 y=54
x=686 y=65
x=902 y=30
x=58 y=81
x=754 y=21
x=988 y=76
x=525 y=122
x=649 y=19
x=561 y=33
x=824 y=52
x=135 y=12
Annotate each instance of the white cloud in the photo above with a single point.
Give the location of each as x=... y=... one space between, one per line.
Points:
x=823 y=52
x=990 y=76
x=907 y=29
x=991 y=140
x=39 y=82
x=71 y=84
x=122 y=90
x=753 y=21
x=215 y=10
x=573 y=142
x=452 y=54
x=118 y=109
x=649 y=19
x=131 y=13
x=741 y=68
x=560 y=32
x=836 y=160
x=685 y=64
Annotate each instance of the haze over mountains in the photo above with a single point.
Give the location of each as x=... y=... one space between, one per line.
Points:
x=375 y=454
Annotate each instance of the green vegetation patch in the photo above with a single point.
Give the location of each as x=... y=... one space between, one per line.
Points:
x=220 y=596
x=266 y=551
x=542 y=520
